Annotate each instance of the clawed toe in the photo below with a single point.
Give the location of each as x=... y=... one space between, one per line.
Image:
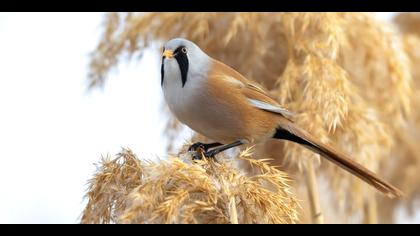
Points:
x=198 y=150
x=195 y=146
x=198 y=155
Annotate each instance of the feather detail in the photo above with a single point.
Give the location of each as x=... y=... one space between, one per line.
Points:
x=268 y=107
x=289 y=131
x=255 y=94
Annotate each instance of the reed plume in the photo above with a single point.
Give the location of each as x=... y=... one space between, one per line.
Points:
x=129 y=190
x=404 y=168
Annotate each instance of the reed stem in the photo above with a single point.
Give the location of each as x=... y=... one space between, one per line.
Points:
x=315 y=207
x=371 y=209
x=232 y=211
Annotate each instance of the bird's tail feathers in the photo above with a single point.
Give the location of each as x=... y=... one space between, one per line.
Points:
x=295 y=134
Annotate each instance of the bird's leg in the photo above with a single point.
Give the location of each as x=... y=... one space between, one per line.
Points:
x=198 y=148
x=204 y=146
x=220 y=149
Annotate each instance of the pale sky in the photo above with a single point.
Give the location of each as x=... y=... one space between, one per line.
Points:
x=51 y=130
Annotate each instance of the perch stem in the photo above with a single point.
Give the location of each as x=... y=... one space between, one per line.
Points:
x=315 y=207
x=232 y=211
x=371 y=209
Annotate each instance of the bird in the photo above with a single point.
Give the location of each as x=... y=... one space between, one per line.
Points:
x=216 y=101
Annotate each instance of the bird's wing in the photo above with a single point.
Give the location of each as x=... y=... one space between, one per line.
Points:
x=255 y=94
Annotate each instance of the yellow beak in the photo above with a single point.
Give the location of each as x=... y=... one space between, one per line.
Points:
x=168 y=53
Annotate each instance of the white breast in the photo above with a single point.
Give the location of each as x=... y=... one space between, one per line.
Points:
x=182 y=100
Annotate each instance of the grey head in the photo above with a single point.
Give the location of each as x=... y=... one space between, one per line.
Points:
x=182 y=59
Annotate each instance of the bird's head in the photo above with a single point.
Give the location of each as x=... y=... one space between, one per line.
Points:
x=182 y=58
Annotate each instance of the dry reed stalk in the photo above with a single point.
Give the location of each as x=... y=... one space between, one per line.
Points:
x=371 y=209
x=233 y=213
x=317 y=64
x=177 y=190
x=315 y=206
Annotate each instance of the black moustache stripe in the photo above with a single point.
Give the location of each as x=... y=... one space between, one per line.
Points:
x=162 y=72
x=182 y=60
x=183 y=64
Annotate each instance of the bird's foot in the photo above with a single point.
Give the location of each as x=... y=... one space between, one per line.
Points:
x=199 y=155
x=199 y=150
x=195 y=146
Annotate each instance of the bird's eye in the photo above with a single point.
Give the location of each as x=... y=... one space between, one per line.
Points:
x=184 y=50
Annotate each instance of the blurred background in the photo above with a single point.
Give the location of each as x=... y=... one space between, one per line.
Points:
x=57 y=118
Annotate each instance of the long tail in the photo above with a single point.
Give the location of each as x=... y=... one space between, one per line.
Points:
x=295 y=134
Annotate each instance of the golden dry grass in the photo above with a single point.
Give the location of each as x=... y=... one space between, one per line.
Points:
x=347 y=76
x=404 y=171
x=177 y=190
